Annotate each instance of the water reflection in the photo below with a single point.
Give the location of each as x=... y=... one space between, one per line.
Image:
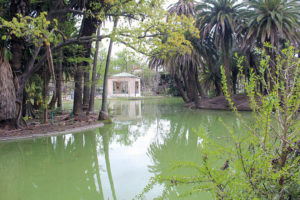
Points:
x=105 y=138
x=126 y=110
x=60 y=167
x=115 y=161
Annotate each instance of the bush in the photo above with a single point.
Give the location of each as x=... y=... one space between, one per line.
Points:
x=264 y=163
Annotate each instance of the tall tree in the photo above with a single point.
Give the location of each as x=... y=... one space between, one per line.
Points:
x=273 y=21
x=93 y=87
x=186 y=65
x=103 y=115
x=88 y=28
x=7 y=90
x=218 y=18
x=59 y=79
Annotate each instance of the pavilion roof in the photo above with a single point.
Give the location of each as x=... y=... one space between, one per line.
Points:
x=123 y=74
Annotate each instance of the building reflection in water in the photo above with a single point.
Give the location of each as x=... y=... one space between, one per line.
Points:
x=126 y=110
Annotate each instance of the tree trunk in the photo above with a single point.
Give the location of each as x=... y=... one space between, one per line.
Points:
x=193 y=85
x=86 y=87
x=180 y=89
x=105 y=139
x=17 y=44
x=28 y=107
x=77 y=105
x=52 y=72
x=227 y=67
x=59 y=80
x=272 y=70
x=187 y=85
x=53 y=101
x=93 y=87
x=200 y=89
x=89 y=27
x=103 y=115
x=45 y=91
x=218 y=88
x=234 y=80
x=7 y=92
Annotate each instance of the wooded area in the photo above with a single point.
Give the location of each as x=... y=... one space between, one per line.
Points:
x=43 y=41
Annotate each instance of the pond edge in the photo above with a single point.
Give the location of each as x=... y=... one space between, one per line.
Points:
x=53 y=133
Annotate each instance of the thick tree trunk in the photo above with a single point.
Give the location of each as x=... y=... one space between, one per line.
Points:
x=227 y=67
x=199 y=87
x=89 y=27
x=7 y=92
x=86 y=87
x=17 y=44
x=103 y=115
x=193 y=85
x=53 y=101
x=93 y=87
x=77 y=105
x=180 y=89
x=187 y=85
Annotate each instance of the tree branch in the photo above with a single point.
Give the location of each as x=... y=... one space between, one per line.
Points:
x=32 y=68
x=67 y=10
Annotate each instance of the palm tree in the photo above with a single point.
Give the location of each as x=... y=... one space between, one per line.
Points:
x=217 y=18
x=7 y=90
x=273 y=21
x=183 y=7
x=186 y=66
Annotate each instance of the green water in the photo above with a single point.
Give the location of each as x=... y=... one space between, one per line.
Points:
x=112 y=162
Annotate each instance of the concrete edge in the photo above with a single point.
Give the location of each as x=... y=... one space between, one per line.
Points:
x=54 y=133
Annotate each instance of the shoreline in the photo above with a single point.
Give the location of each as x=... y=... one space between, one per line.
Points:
x=50 y=133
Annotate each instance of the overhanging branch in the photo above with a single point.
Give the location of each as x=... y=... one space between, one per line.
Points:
x=32 y=68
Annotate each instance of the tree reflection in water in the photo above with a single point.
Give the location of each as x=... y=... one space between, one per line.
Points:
x=180 y=143
x=105 y=141
x=75 y=166
x=65 y=167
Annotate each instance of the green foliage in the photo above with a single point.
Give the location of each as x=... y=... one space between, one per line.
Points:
x=158 y=36
x=37 y=29
x=34 y=90
x=272 y=21
x=264 y=163
x=125 y=60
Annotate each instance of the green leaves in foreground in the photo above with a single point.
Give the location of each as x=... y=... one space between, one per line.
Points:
x=34 y=29
x=264 y=163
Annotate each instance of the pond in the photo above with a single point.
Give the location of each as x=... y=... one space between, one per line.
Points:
x=115 y=161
